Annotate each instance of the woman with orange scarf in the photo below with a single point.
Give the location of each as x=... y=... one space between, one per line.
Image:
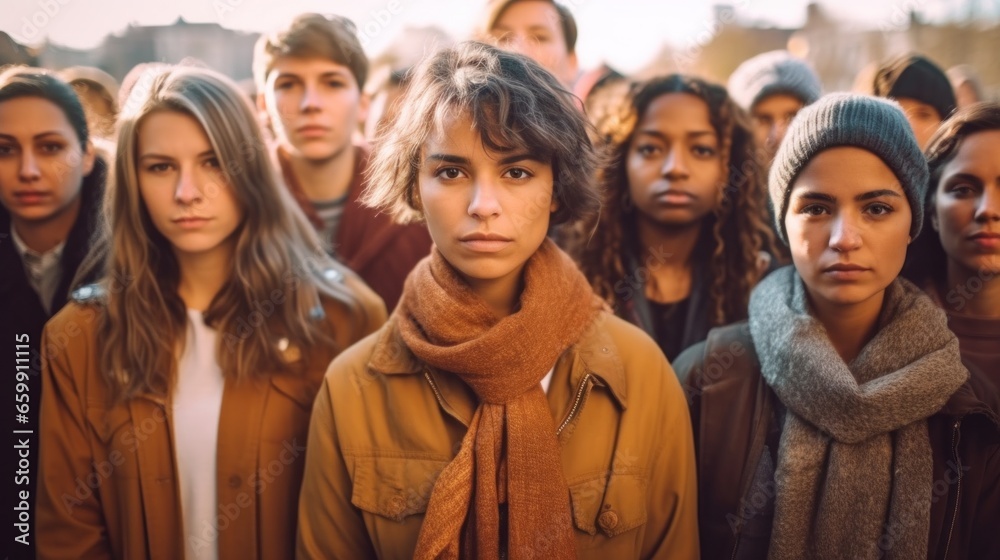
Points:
x=502 y=412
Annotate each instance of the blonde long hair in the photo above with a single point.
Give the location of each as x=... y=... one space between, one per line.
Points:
x=277 y=274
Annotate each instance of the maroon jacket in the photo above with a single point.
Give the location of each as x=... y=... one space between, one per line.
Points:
x=368 y=242
x=735 y=416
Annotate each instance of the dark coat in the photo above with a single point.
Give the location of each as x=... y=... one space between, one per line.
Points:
x=735 y=417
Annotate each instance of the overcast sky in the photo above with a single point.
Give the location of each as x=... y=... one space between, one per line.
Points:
x=626 y=33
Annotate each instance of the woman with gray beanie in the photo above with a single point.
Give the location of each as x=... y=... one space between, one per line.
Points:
x=836 y=422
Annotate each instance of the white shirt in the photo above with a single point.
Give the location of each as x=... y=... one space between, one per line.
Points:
x=44 y=270
x=547 y=380
x=197 y=403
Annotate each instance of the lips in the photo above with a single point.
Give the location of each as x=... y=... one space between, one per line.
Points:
x=190 y=222
x=31 y=197
x=485 y=242
x=989 y=240
x=674 y=197
x=313 y=130
x=845 y=272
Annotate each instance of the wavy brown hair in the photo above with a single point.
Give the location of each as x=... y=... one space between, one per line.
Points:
x=733 y=235
x=278 y=258
x=512 y=101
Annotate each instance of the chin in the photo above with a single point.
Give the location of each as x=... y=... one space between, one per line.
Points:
x=847 y=295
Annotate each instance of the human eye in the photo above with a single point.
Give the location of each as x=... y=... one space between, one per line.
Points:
x=518 y=174
x=814 y=210
x=7 y=149
x=448 y=173
x=213 y=162
x=158 y=167
x=879 y=209
x=52 y=147
x=647 y=150
x=961 y=190
x=704 y=151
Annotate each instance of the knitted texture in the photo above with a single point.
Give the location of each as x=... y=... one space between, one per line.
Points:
x=860 y=121
x=772 y=73
x=510 y=453
x=854 y=475
x=917 y=78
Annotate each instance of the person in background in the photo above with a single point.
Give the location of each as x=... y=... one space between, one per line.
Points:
x=310 y=76
x=180 y=385
x=51 y=184
x=957 y=257
x=384 y=101
x=773 y=87
x=501 y=412
x=543 y=30
x=921 y=88
x=682 y=237
x=98 y=92
x=839 y=421
x=967 y=86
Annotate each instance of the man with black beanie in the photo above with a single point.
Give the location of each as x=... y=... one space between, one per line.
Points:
x=921 y=88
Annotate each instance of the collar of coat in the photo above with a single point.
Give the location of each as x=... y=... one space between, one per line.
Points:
x=595 y=353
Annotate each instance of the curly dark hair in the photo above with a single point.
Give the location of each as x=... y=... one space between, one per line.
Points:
x=926 y=258
x=733 y=235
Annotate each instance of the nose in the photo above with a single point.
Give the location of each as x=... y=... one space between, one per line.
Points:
x=988 y=209
x=844 y=235
x=674 y=167
x=187 y=192
x=311 y=99
x=484 y=204
x=29 y=171
x=776 y=133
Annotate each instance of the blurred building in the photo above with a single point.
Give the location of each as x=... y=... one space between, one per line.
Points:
x=838 y=51
x=225 y=50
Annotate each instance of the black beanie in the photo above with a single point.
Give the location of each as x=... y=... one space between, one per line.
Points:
x=916 y=77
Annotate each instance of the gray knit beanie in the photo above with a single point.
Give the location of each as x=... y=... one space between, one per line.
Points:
x=771 y=73
x=848 y=119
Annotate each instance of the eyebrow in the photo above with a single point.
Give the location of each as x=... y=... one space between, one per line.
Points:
x=810 y=195
x=39 y=135
x=162 y=156
x=692 y=134
x=328 y=74
x=459 y=160
x=963 y=177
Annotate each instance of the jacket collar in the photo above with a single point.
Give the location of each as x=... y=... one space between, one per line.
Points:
x=969 y=399
x=595 y=353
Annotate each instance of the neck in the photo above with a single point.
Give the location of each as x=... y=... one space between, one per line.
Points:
x=43 y=236
x=326 y=179
x=202 y=275
x=972 y=292
x=500 y=294
x=850 y=327
x=666 y=256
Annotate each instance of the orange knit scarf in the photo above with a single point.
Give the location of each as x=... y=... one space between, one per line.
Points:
x=510 y=453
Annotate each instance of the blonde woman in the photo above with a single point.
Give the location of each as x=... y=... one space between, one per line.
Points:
x=179 y=389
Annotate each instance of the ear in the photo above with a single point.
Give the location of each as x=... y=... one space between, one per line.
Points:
x=554 y=205
x=364 y=104
x=572 y=67
x=934 y=220
x=89 y=155
x=262 y=115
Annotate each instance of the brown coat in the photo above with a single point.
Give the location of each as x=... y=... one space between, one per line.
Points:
x=385 y=424
x=108 y=485
x=736 y=418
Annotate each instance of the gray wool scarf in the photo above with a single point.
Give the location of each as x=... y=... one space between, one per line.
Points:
x=854 y=473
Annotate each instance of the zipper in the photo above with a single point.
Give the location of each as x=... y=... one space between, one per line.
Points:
x=434 y=387
x=955 y=438
x=581 y=394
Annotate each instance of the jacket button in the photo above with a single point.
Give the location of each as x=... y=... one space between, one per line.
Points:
x=235 y=481
x=608 y=520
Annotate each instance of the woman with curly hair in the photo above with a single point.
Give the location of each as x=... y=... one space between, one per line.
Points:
x=682 y=237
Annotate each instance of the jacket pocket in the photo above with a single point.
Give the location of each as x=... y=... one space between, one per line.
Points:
x=610 y=504
x=394 y=487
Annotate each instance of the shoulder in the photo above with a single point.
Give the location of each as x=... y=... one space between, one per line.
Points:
x=727 y=353
x=367 y=312
x=351 y=371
